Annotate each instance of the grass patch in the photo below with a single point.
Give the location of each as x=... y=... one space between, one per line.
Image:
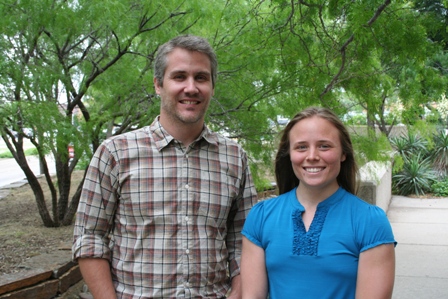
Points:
x=7 y=154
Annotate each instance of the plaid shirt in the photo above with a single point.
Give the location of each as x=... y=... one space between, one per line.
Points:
x=168 y=218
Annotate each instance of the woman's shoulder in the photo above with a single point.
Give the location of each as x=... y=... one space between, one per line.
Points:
x=274 y=203
x=363 y=208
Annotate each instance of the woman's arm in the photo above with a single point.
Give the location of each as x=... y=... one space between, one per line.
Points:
x=253 y=271
x=376 y=273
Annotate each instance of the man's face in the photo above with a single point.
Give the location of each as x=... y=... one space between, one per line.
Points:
x=187 y=87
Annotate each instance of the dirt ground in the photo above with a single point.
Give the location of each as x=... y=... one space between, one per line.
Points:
x=22 y=233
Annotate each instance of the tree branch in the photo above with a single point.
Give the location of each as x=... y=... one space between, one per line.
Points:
x=330 y=86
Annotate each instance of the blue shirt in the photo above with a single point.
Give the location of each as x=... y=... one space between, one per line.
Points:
x=323 y=262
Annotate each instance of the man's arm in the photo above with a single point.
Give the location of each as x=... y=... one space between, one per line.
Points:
x=376 y=273
x=97 y=276
x=246 y=199
x=235 y=291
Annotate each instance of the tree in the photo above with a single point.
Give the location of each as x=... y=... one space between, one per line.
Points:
x=82 y=71
x=76 y=72
x=371 y=52
x=70 y=70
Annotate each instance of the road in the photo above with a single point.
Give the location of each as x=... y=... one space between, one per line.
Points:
x=10 y=172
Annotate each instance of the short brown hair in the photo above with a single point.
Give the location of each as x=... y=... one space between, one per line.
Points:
x=187 y=42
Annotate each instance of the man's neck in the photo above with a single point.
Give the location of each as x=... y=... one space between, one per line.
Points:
x=185 y=133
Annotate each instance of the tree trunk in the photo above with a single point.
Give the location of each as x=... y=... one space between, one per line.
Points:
x=71 y=211
x=64 y=183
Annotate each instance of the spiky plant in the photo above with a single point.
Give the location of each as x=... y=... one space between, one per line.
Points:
x=411 y=144
x=439 y=154
x=416 y=177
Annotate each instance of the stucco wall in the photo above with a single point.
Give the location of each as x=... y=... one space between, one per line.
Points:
x=376 y=184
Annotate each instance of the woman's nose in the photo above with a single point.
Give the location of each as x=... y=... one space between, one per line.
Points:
x=313 y=154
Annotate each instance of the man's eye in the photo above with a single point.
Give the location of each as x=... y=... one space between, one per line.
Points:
x=202 y=78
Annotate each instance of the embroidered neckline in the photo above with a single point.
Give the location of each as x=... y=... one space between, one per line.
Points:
x=306 y=242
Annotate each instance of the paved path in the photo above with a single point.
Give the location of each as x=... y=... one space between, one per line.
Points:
x=12 y=176
x=421 y=229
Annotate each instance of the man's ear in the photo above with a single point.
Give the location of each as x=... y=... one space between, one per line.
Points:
x=156 y=85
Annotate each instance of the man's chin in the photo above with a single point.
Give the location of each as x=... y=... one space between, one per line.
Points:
x=190 y=119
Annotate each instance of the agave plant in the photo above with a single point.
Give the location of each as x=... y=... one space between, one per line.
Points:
x=400 y=145
x=439 y=154
x=409 y=145
x=416 y=177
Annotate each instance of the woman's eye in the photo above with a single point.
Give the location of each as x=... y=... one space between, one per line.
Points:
x=301 y=147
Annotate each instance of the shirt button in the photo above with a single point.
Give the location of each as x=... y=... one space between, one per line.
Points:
x=186 y=186
x=187 y=284
x=187 y=219
x=187 y=251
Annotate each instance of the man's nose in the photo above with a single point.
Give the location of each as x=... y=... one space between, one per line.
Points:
x=190 y=86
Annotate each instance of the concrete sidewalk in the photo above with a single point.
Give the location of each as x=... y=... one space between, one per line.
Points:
x=421 y=230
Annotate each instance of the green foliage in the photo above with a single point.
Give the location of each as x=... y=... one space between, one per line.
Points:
x=416 y=177
x=409 y=145
x=5 y=154
x=440 y=188
x=419 y=161
x=28 y=152
x=262 y=184
x=357 y=119
x=71 y=72
x=31 y=152
x=424 y=130
x=82 y=70
x=366 y=149
x=439 y=154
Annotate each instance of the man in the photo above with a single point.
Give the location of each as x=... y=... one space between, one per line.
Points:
x=162 y=207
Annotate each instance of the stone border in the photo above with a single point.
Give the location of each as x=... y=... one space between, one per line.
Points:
x=45 y=276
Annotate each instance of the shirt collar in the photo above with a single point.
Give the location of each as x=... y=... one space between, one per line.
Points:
x=162 y=138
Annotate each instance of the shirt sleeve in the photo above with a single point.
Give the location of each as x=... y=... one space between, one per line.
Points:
x=253 y=227
x=96 y=208
x=374 y=229
x=245 y=200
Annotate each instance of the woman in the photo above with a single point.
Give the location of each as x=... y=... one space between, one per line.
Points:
x=317 y=239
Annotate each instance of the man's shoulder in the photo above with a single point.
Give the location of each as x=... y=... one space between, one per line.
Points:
x=221 y=139
x=129 y=136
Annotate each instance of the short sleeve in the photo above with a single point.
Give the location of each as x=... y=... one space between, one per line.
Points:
x=253 y=226
x=374 y=229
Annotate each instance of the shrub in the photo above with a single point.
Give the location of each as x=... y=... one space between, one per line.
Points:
x=416 y=177
x=410 y=145
x=439 y=154
x=440 y=188
x=6 y=154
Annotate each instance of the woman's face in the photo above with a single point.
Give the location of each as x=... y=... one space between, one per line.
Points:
x=316 y=153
